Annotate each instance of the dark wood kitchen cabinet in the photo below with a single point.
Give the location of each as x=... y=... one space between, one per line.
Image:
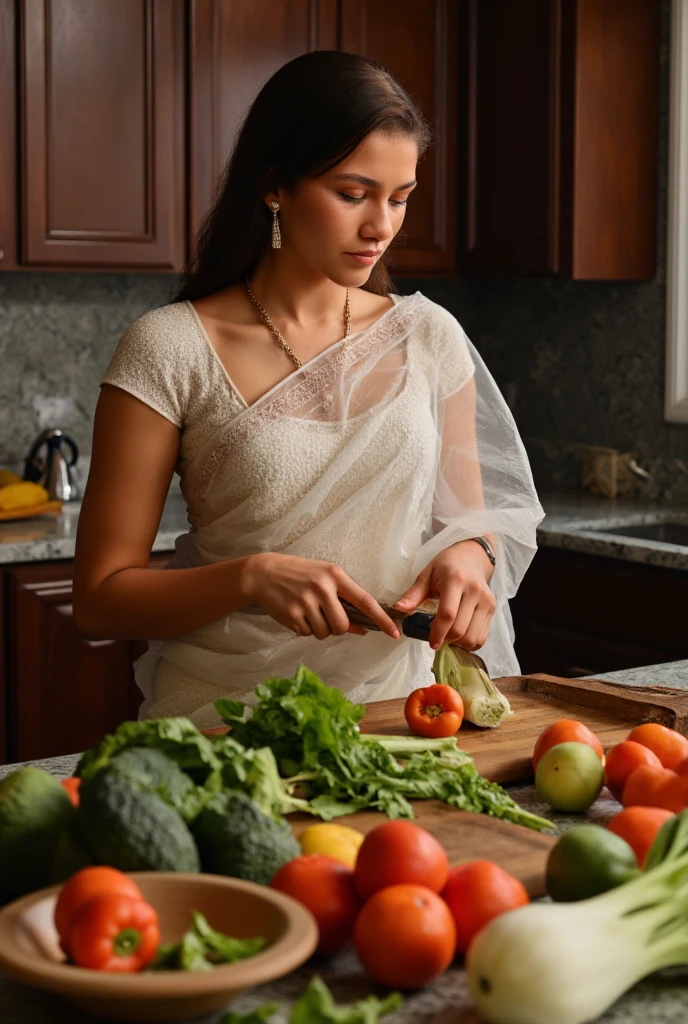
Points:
x=235 y=47
x=560 y=113
x=577 y=614
x=418 y=41
x=101 y=130
x=8 y=138
x=63 y=693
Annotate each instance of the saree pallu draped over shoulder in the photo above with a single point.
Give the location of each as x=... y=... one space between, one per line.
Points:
x=376 y=455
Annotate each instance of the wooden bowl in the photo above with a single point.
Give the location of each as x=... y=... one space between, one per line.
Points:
x=231 y=906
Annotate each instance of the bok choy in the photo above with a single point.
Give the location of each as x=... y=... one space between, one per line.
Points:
x=568 y=962
x=466 y=673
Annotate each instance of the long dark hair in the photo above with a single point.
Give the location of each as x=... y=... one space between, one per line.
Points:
x=308 y=117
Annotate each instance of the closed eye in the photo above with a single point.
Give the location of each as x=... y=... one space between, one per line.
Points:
x=361 y=199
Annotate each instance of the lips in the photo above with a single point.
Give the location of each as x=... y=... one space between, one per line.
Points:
x=367 y=252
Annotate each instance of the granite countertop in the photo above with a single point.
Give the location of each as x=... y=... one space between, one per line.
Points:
x=570 y=521
x=52 y=537
x=576 y=522
x=661 y=999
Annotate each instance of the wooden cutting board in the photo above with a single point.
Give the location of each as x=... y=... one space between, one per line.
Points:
x=505 y=754
x=520 y=851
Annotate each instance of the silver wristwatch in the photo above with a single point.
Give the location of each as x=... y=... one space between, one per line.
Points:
x=487 y=548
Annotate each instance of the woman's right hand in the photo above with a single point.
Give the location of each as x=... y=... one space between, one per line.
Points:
x=303 y=595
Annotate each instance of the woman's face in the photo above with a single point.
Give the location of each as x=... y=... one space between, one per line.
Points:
x=355 y=208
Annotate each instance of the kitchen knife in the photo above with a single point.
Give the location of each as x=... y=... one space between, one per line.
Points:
x=416 y=625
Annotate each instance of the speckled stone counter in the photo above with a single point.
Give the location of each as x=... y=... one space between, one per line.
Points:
x=661 y=999
x=573 y=521
x=577 y=522
x=51 y=537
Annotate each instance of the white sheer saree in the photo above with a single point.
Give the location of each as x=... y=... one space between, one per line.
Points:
x=376 y=455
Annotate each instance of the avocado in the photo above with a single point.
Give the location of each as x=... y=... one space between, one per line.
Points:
x=235 y=838
x=34 y=809
x=132 y=830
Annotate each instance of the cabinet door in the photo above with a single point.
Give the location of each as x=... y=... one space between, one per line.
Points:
x=65 y=693
x=235 y=46
x=560 y=114
x=102 y=130
x=579 y=614
x=8 y=136
x=417 y=40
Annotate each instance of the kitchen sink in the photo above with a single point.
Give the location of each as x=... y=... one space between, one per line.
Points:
x=667 y=533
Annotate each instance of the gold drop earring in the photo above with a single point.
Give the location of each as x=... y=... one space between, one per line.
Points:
x=276 y=233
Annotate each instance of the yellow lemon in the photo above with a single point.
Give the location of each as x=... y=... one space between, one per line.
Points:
x=7 y=477
x=22 y=496
x=338 y=841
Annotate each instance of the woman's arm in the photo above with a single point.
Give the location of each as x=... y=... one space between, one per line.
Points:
x=116 y=595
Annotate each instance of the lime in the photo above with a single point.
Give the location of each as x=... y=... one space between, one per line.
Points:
x=569 y=777
x=587 y=861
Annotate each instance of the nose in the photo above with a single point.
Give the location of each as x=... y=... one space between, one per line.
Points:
x=378 y=223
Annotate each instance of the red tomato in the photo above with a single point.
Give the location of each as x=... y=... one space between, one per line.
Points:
x=85 y=885
x=324 y=886
x=476 y=893
x=648 y=786
x=71 y=786
x=405 y=936
x=565 y=730
x=671 y=747
x=622 y=760
x=400 y=853
x=639 y=827
x=114 y=933
x=434 y=711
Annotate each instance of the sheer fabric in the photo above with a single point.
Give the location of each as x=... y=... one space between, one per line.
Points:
x=376 y=455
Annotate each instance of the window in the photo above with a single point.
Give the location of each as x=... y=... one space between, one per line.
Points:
x=676 y=391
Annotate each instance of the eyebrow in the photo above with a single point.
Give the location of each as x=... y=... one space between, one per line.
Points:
x=371 y=182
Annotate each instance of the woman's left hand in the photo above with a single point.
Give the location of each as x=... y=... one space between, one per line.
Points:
x=458 y=576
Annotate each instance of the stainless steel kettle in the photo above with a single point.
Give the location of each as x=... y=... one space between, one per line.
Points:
x=51 y=468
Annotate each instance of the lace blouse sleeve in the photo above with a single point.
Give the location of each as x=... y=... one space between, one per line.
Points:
x=455 y=367
x=150 y=363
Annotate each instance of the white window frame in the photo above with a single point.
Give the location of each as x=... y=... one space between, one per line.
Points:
x=676 y=389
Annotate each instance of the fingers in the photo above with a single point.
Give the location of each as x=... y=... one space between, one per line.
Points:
x=447 y=610
x=367 y=604
x=472 y=624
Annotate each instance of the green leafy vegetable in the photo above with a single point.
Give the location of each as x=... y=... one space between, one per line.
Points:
x=177 y=738
x=317 y=1006
x=255 y=772
x=313 y=730
x=258 y=1016
x=201 y=948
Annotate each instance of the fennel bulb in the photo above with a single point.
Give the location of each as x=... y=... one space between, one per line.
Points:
x=567 y=963
x=483 y=703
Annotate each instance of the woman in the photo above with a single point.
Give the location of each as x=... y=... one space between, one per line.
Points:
x=333 y=440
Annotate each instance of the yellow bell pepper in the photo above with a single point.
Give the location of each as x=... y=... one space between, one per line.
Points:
x=22 y=496
x=337 y=841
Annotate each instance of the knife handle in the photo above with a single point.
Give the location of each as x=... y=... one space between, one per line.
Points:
x=416 y=626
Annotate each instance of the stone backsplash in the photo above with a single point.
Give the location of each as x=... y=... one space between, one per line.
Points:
x=578 y=362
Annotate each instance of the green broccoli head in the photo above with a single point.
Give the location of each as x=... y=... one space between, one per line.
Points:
x=151 y=771
x=130 y=829
x=235 y=838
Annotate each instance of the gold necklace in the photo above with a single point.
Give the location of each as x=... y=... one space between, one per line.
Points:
x=328 y=400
